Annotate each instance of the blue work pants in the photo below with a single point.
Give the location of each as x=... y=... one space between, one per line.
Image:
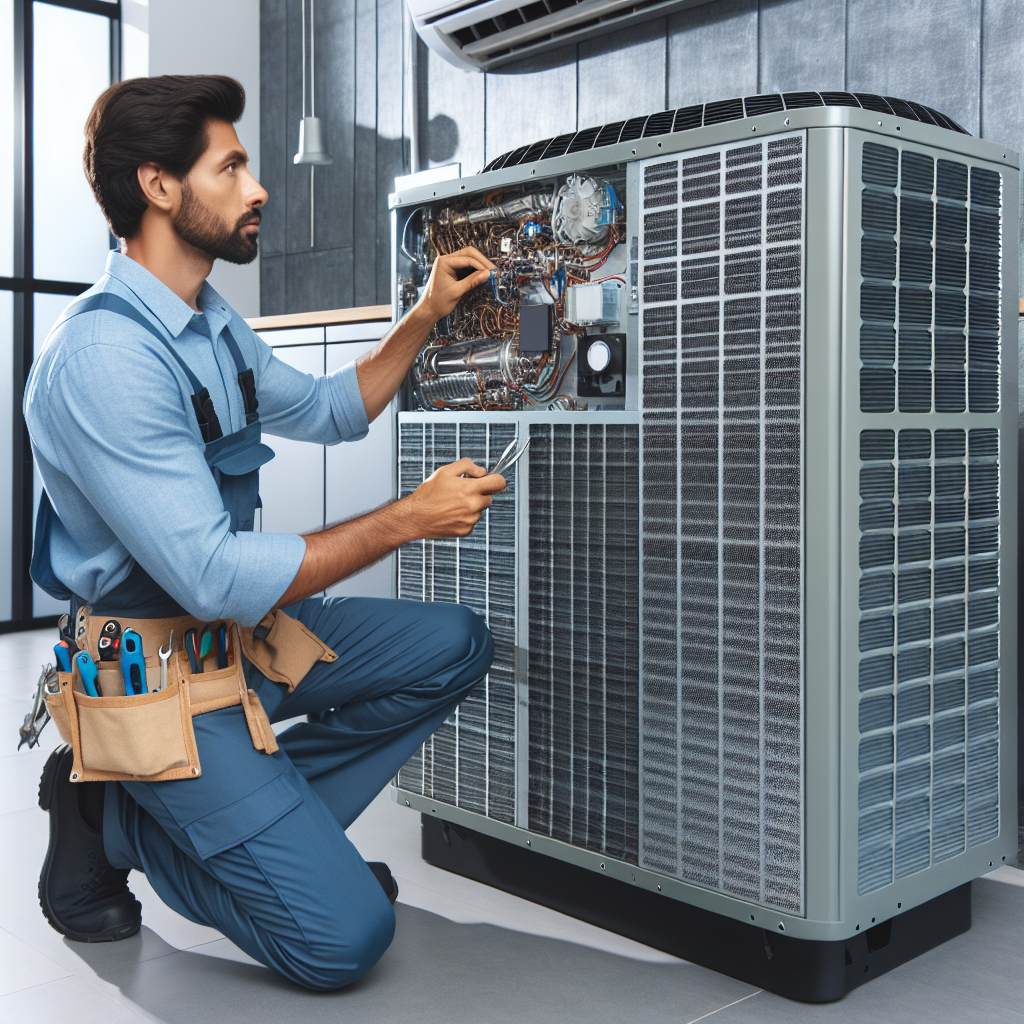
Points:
x=256 y=846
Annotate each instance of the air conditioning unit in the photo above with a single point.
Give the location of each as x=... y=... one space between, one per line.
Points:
x=753 y=698
x=479 y=35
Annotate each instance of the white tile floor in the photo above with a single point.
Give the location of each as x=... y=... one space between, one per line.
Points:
x=462 y=952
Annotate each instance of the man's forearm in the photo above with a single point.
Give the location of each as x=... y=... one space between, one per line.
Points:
x=447 y=504
x=381 y=371
x=343 y=550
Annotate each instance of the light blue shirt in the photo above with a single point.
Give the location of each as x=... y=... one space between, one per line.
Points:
x=117 y=444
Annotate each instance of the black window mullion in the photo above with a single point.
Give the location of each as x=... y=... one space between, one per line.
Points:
x=21 y=512
x=24 y=288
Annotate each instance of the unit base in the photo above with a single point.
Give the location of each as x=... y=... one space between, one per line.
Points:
x=803 y=969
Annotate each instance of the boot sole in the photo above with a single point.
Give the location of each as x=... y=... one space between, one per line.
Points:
x=47 y=785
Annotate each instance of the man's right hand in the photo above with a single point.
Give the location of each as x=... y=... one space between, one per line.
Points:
x=450 y=502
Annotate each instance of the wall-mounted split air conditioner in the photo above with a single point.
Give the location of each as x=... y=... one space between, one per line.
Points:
x=479 y=35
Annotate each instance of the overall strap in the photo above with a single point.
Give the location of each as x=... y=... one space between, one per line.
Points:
x=246 y=380
x=206 y=416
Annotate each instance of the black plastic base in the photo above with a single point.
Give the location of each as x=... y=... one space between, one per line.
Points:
x=807 y=970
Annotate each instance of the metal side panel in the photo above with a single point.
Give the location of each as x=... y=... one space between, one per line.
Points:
x=928 y=523
x=822 y=492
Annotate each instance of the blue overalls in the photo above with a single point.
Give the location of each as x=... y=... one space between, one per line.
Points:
x=256 y=846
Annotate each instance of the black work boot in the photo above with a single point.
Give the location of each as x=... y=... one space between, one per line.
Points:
x=383 y=875
x=82 y=895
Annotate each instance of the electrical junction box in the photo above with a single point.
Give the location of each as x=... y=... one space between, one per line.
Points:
x=754 y=624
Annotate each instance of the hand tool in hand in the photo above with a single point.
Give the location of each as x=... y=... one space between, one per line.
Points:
x=505 y=463
x=504 y=455
x=192 y=650
x=165 y=653
x=133 y=663
x=62 y=652
x=222 y=646
x=87 y=670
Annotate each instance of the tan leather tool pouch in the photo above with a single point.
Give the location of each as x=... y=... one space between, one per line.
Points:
x=149 y=737
x=283 y=649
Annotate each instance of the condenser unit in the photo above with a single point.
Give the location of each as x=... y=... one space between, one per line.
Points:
x=753 y=698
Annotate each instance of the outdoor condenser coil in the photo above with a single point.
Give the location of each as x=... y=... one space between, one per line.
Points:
x=754 y=628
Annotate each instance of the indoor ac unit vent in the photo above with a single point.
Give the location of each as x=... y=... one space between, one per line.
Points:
x=701 y=115
x=479 y=35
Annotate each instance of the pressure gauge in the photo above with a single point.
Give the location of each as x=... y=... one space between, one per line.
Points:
x=599 y=355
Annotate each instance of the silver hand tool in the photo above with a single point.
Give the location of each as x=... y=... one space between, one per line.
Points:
x=504 y=455
x=507 y=460
x=165 y=653
x=505 y=463
x=37 y=718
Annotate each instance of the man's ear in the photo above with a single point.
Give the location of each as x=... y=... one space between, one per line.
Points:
x=161 y=190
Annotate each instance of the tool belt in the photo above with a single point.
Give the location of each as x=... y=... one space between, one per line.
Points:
x=149 y=737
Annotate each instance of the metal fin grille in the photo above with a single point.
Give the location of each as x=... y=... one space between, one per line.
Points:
x=584 y=623
x=721 y=732
x=704 y=114
x=929 y=642
x=930 y=260
x=470 y=760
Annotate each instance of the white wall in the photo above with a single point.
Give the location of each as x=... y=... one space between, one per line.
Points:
x=200 y=37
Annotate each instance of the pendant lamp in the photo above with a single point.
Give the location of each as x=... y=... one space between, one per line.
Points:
x=311 y=145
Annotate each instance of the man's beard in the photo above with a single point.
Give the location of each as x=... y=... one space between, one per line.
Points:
x=198 y=225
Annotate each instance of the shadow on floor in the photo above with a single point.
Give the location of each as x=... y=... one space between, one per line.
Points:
x=436 y=970
x=440 y=971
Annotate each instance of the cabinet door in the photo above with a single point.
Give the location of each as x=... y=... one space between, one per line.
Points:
x=292 y=484
x=360 y=477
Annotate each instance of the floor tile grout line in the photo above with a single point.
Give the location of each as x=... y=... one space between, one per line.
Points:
x=735 y=1002
x=35 y=949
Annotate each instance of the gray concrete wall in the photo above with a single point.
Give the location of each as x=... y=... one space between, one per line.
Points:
x=965 y=57
x=196 y=37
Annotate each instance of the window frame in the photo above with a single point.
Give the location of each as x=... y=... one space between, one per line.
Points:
x=24 y=287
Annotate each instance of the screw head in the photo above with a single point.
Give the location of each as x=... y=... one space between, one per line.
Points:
x=529 y=842
x=786 y=122
x=602 y=865
x=879 y=124
x=659 y=888
x=407 y=804
x=195 y=771
x=753 y=127
x=74 y=776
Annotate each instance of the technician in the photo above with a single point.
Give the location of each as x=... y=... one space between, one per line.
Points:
x=145 y=408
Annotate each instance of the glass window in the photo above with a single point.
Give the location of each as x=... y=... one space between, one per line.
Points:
x=6 y=446
x=72 y=67
x=46 y=311
x=6 y=140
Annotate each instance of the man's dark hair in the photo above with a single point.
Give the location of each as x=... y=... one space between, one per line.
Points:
x=158 y=120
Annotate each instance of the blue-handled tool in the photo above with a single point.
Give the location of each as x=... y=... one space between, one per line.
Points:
x=87 y=670
x=62 y=652
x=205 y=645
x=133 y=663
x=192 y=650
x=222 y=647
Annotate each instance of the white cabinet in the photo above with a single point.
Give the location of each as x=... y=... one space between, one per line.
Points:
x=308 y=486
x=360 y=477
x=292 y=484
